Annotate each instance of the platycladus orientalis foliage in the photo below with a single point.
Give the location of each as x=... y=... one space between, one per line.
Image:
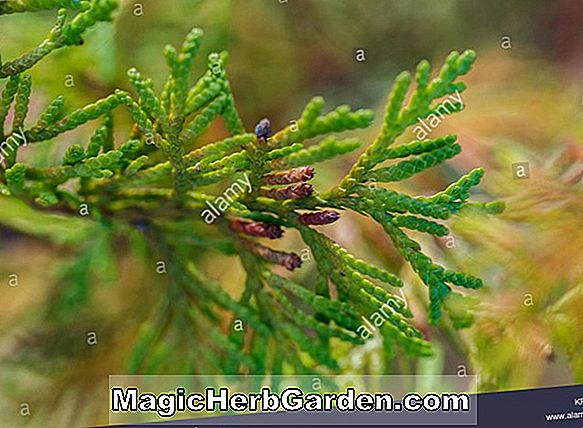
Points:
x=156 y=182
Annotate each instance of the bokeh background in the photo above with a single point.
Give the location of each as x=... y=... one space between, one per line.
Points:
x=524 y=103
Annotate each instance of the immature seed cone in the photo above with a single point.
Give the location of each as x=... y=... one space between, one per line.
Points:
x=266 y=230
x=288 y=260
x=303 y=173
x=319 y=218
x=263 y=128
x=295 y=191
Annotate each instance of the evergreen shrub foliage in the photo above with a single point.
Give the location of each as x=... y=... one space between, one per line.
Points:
x=156 y=182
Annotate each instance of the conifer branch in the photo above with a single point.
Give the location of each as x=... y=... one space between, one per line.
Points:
x=155 y=183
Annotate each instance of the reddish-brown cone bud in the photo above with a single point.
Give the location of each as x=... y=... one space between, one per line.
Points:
x=288 y=260
x=266 y=230
x=295 y=191
x=319 y=218
x=294 y=175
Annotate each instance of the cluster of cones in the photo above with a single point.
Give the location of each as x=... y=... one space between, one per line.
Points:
x=296 y=179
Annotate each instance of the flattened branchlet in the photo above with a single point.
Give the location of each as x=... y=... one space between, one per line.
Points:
x=159 y=180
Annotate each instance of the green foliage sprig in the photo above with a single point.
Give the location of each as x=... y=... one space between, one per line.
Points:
x=66 y=32
x=155 y=182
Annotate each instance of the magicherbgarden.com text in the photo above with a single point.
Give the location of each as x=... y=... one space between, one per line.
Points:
x=290 y=399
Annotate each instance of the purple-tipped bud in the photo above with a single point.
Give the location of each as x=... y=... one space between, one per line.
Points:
x=290 y=261
x=263 y=129
x=265 y=230
x=295 y=191
x=303 y=173
x=319 y=218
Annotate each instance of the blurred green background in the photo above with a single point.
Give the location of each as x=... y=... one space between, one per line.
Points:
x=524 y=103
